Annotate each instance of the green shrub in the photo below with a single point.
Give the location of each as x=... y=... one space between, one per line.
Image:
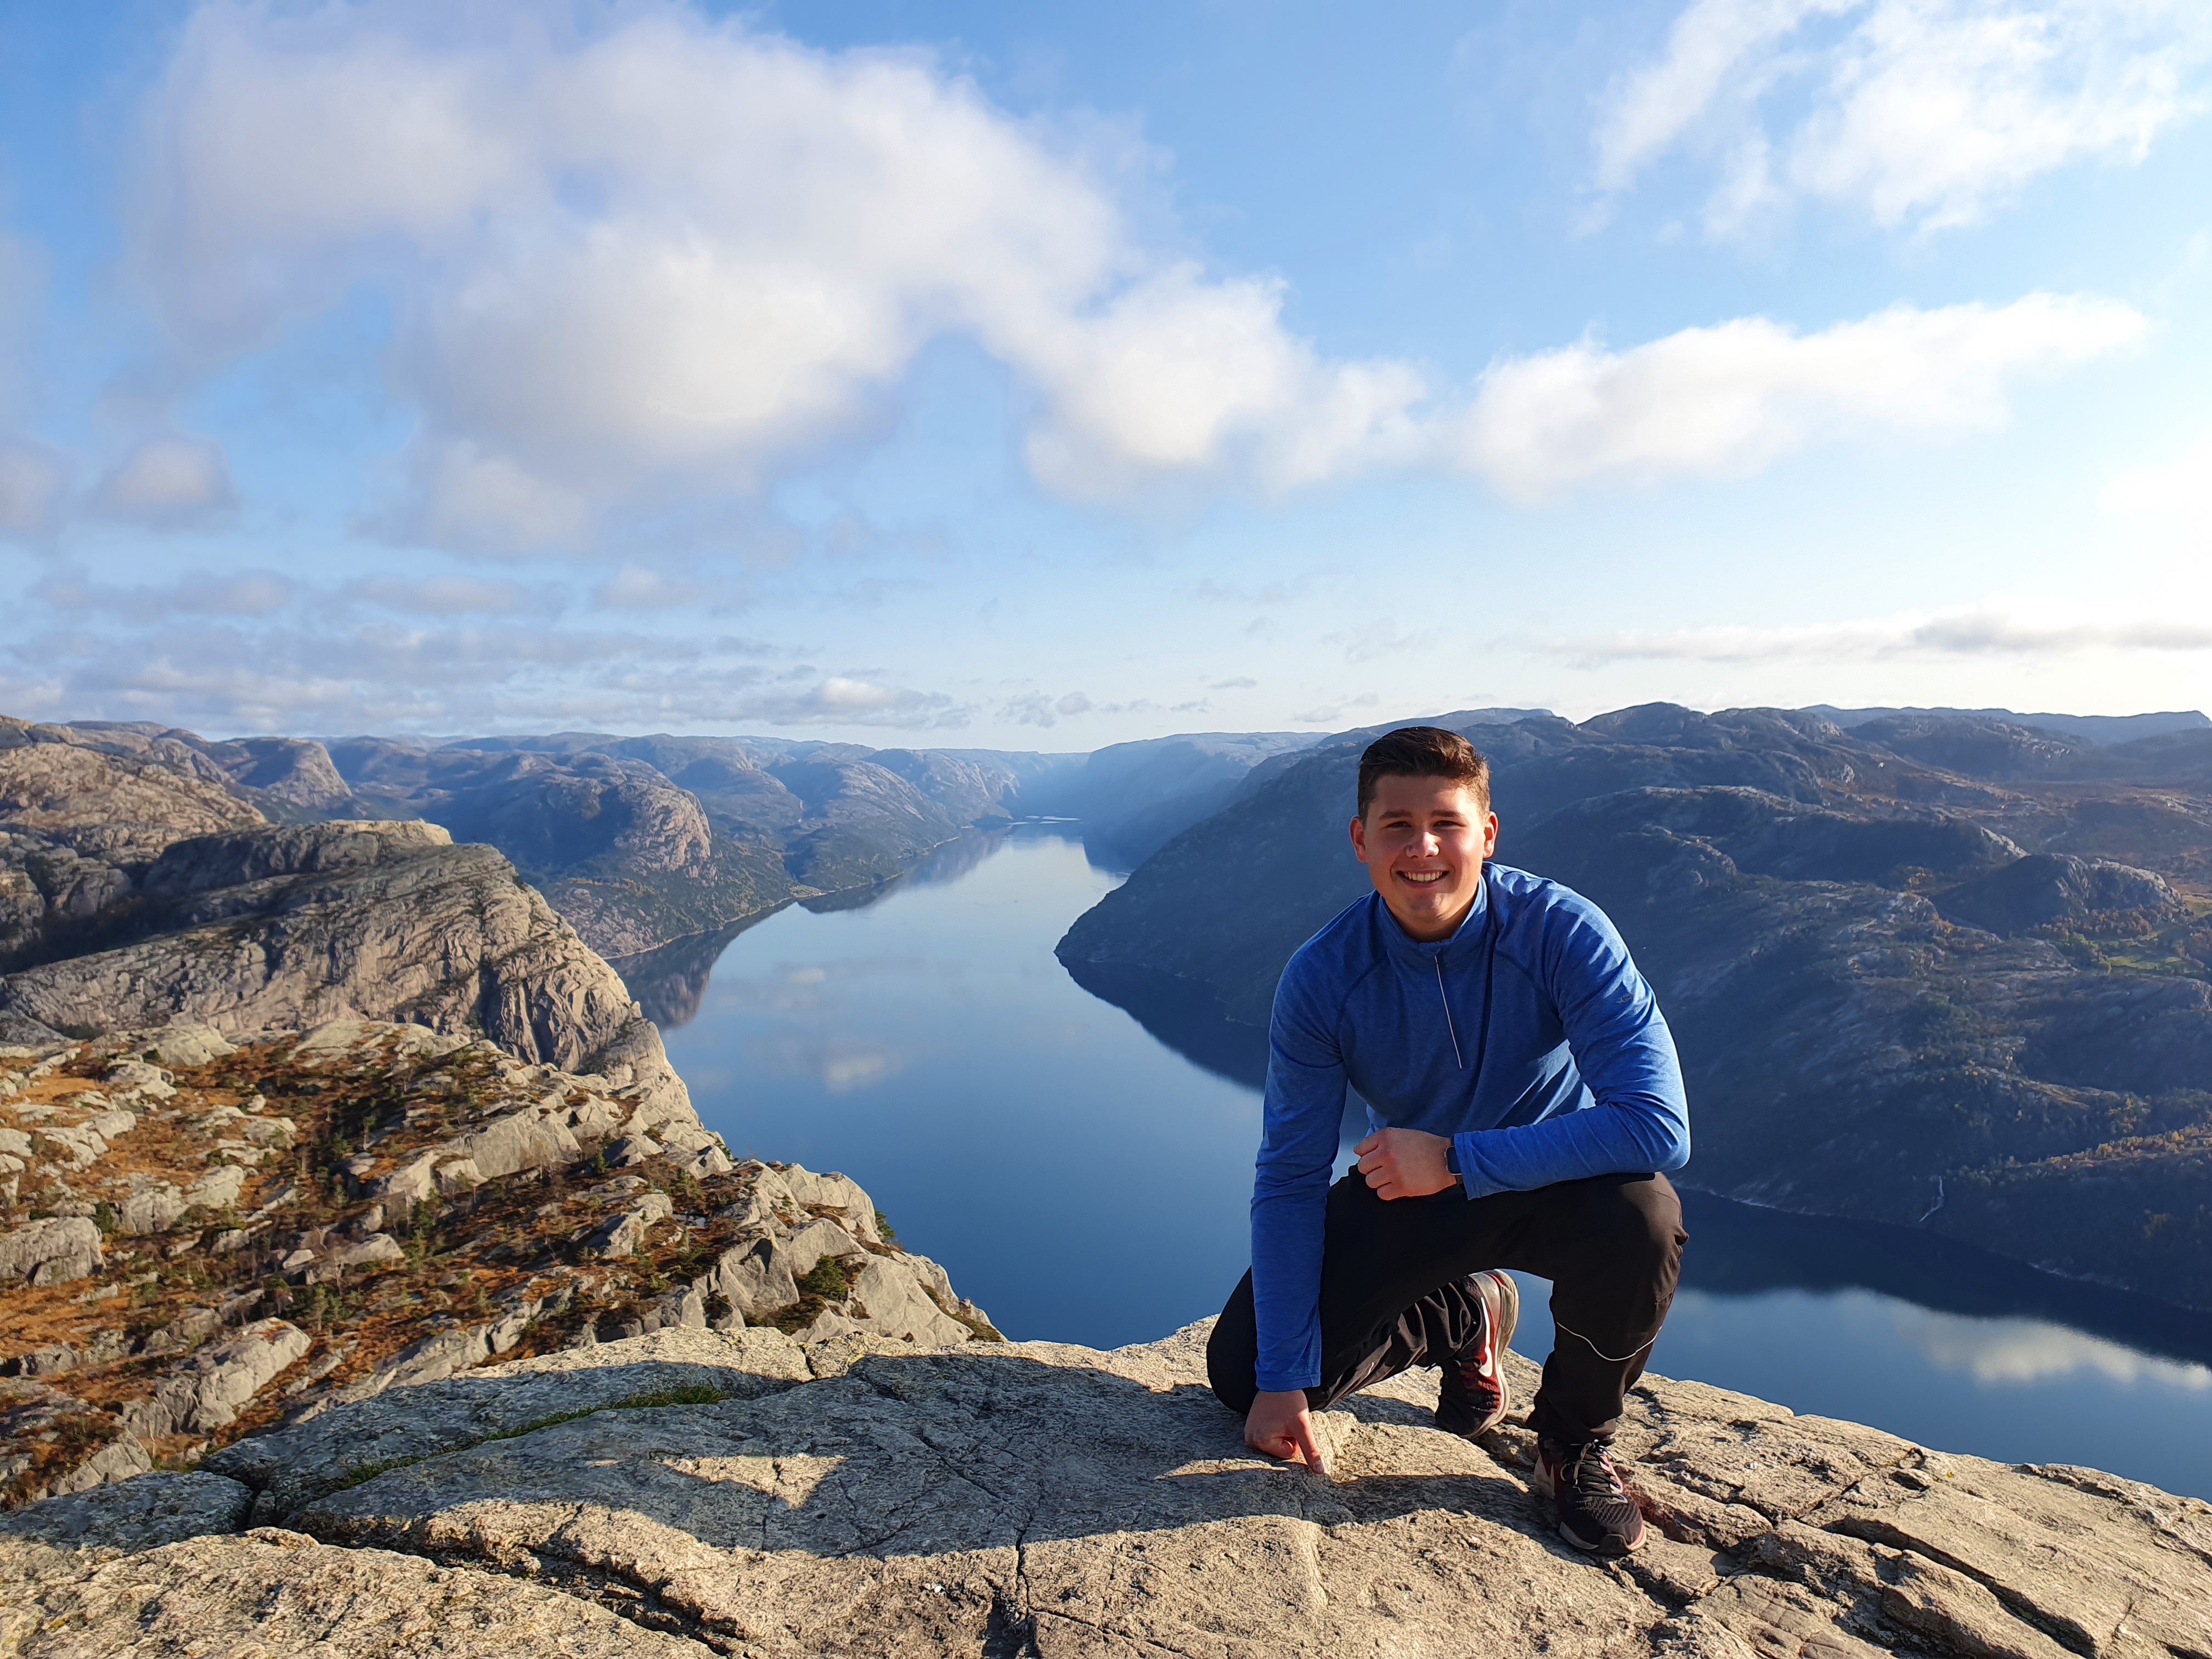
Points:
x=826 y=1278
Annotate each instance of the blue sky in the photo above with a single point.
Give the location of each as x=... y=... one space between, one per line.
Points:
x=1044 y=378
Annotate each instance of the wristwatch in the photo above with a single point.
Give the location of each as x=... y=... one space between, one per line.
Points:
x=1451 y=1158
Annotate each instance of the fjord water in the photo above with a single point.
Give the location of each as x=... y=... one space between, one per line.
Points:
x=1086 y=1183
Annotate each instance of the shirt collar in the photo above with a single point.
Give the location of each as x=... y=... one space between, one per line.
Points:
x=1420 y=953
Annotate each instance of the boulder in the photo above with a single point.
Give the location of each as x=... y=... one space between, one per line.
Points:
x=207 y=1390
x=621 y=1235
x=376 y=1249
x=52 y=1251
x=887 y=1299
x=218 y=1189
x=756 y=1279
x=529 y=1138
x=817 y=1239
x=153 y=1210
x=856 y=1212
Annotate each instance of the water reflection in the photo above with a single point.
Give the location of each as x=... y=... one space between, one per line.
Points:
x=670 y=981
x=1738 y=1249
x=2030 y=1351
x=1182 y=1017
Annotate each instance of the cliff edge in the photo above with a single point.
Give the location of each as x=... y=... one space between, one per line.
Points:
x=202 y=1240
x=694 y=1493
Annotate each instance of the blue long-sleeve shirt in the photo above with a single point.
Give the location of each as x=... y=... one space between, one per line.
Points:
x=1527 y=1036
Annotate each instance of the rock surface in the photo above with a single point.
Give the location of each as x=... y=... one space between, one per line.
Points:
x=870 y=1497
x=271 y=1592
x=257 y=1268
x=282 y=927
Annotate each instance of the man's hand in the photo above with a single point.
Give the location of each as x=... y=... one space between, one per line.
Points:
x=1404 y=1162
x=1278 y=1425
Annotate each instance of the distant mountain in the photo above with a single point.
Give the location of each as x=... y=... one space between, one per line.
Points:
x=641 y=842
x=1956 y=984
x=2093 y=728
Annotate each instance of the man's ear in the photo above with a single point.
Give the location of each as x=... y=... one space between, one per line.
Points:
x=1359 y=839
x=1489 y=835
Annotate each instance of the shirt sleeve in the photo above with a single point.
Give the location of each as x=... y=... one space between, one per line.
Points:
x=1303 y=1111
x=1640 y=1119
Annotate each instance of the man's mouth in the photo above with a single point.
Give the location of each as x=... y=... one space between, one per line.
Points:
x=1423 y=877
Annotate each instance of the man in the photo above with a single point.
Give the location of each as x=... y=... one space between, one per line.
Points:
x=1524 y=1099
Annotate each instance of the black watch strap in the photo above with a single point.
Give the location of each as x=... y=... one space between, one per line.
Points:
x=1451 y=1157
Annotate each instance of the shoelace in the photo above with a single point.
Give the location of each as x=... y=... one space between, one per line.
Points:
x=1590 y=1467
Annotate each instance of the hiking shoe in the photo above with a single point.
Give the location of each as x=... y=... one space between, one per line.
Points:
x=1595 y=1512
x=1474 y=1395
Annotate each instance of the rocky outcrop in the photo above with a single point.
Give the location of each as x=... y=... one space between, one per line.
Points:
x=2046 y=889
x=872 y=1497
x=306 y=1220
x=278 y=928
x=52 y=1250
x=75 y=828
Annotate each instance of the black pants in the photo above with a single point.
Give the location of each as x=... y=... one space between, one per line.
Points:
x=1391 y=1295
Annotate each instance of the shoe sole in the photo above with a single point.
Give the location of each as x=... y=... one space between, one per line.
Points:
x=1505 y=1309
x=1504 y=1317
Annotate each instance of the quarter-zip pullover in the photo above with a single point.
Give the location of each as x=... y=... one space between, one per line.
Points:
x=1527 y=1036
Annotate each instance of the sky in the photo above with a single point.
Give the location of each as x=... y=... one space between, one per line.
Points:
x=1042 y=378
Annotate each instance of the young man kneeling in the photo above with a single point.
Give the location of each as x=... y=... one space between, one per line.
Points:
x=1523 y=1099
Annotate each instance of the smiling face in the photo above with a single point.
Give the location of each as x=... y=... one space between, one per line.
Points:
x=1423 y=840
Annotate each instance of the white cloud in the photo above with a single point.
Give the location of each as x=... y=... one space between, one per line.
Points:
x=641 y=264
x=167 y=483
x=1923 y=112
x=674 y=252
x=1726 y=400
x=1972 y=633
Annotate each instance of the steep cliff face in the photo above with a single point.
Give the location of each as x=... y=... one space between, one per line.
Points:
x=199 y=1239
x=281 y=927
x=76 y=826
x=1902 y=993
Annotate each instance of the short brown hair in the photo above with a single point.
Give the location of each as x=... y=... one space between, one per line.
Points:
x=1423 y=751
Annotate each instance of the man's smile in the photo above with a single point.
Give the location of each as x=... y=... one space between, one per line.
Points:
x=1423 y=877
